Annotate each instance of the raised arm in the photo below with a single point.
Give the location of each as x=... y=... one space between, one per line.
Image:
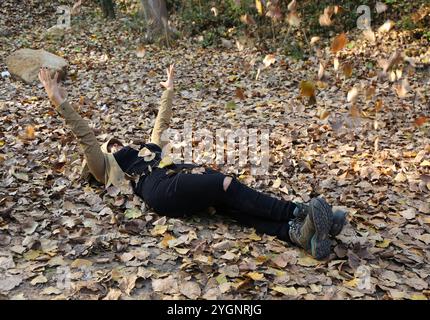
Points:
x=165 y=112
x=87 y=139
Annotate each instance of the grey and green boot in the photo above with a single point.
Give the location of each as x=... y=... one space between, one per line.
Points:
x=339 y=221
x=311 y=227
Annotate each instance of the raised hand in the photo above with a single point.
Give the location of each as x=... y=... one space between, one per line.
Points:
x=55 y=92
x=168 y=84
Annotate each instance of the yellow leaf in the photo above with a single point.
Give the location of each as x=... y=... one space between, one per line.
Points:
x=339 y=42
x=159 y=230
x=425 y=163
x=132 y=213
x=166 y=239
x=288 y=291
x=352 y=283
x=254 y=237
x=78 y=263
x=39 y=279
x=182 y=250
x=31 y=254
x=383 y=244
x=259 y=7
x=165 y=162
x=221 y=278
x=307 y=261
x=418 y=297
x=255 y=276
x=276 y=183
x=400 y=177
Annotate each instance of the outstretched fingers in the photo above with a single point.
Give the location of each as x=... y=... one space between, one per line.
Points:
x=44 y=75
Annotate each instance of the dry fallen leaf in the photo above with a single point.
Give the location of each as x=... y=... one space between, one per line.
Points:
x=190 y=289
x=255 y=276
x=288 y=291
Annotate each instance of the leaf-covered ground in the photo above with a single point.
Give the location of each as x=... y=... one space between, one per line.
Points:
x=61 y=238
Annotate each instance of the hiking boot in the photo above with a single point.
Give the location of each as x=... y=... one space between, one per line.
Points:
x=339 y=220
x=310 y=229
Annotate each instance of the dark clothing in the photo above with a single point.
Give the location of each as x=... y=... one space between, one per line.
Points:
x=132 y=164
x=176 y=191
x=180 y=194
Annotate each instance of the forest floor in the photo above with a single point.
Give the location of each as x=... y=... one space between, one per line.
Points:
x=62 y=238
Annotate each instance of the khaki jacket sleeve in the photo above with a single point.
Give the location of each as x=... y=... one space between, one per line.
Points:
x=163 y=118
x=95 y=158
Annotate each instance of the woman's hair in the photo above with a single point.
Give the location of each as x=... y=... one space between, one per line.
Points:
x=112 y=142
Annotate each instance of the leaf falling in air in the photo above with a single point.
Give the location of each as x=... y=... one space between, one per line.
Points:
x=260 y=7
x=347 y=69
x=30 y=133
x=293 y=19
x=378 y=105
x=247 y=19
x=292 y=6
x=140 y=51
x=380 y=7
x=355 y=111
x=352 y=95
x=386 y=27
x=320 y=71
x=269 y=60
x=336 y=64
x=370 y=92
x=339 y=42
x=325 y=20
x=307 y=89
x=402 y=88
x=274 y=12
x=214 y=11
x=314 y=40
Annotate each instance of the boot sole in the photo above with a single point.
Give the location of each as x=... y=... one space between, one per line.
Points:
x=339 y=221
x=322 y=217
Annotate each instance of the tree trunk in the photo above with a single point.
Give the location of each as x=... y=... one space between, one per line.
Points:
x=108 y=8
x=155 y=14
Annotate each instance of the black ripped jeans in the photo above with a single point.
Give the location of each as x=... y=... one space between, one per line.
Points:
x=183 y=194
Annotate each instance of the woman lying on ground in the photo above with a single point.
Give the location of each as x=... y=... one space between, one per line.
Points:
x=176 y=190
